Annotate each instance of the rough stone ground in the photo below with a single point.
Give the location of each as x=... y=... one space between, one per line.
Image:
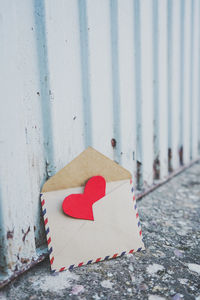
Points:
x=168 y=269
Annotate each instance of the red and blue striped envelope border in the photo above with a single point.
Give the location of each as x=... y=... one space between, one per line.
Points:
x=50 y=247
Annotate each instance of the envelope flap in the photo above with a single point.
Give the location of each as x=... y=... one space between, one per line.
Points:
x=89 y=163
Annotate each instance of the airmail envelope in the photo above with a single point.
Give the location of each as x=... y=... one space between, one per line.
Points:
x=115 y=229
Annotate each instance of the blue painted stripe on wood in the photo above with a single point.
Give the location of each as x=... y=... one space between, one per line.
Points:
x=83 y=25
x=138 y=115
x=44 y=85
x=123 y=253
x=155 y=80
x=115 y=78
x=169 y=41
x=50 y=250
x=47 y=231
x=191 y=76
x=199 y=87
x=182 y=68
x=44 y=212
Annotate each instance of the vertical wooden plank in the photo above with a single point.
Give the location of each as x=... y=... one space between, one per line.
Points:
x=65 y=82
x=16 y=227
x=146 y=22
x=117 y=131
x=162 y=89
x=127 y=85
x=191 y=77
x=199 y=84
x=156 y=129
x=169 y=80
x=100 y=74
x=195 y=60
x=137 y=61
x=186 y=83
x=43 y=80
x=37 y=120
x=83 y=28
x=182 y=66
x=175 y=84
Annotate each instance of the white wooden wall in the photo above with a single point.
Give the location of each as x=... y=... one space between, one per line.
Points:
x=76 y=73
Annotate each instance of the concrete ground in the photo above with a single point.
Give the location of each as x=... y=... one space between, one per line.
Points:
x=168 y=269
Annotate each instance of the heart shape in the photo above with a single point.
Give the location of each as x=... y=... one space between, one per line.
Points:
x=80 y=205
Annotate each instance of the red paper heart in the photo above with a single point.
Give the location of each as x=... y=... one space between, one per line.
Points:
x=80 y=205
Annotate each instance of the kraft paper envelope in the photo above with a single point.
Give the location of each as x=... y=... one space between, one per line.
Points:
x=115 y=230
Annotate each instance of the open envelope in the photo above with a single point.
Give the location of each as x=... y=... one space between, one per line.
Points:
x=116 y=229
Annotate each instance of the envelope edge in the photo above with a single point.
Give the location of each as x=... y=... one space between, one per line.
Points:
x=71 y=267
